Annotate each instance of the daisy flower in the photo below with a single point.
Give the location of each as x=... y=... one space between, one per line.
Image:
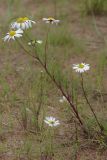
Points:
x=22 y=23
x=63 y=99
x=50 y=20
x=51 y=121
x=82 y=67
x=34 y=42
x=13 y=34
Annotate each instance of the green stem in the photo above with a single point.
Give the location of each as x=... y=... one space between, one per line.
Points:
x=40 y=100
x=91 y=108
x=46 y=44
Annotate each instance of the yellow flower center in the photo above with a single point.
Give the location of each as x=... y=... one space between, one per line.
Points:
x=81 y=65
x=12 y=33
x=22 y=20
x=25 y=18
x=51 y=19
x=52 y=122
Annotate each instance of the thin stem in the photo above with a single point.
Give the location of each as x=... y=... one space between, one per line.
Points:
x=76 y=127
x=40 y=100
x=76 y=131
x=46 y=44
x=51 y=134
x=85 y=95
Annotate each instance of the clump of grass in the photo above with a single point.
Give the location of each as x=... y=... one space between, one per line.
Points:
x=100 y=71
x=63 y=39
x=94 y=6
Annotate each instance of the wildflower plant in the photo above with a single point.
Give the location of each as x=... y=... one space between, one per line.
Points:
x=52 y=124
x=81 y=68
x=55 y=76
x=44 y=62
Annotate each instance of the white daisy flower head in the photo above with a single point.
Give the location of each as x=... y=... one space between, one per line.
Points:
x=12 y=34
x=34 y=42
x=51 y=20
x=63 y=99
x=22 y=23
x=51 y=121
x=82 y=67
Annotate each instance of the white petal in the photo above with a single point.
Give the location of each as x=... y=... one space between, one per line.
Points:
x=39 y=41
x=45 y=19
x=18 y=35
x=29 y=24
x=29 y=43
x=6 y=38
x=23 y=26
x=33 y=22
x=13 y=38
x=56 y=21
x=19 y=31
x=17 y=25
x=61 y=100
x=51 y=125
